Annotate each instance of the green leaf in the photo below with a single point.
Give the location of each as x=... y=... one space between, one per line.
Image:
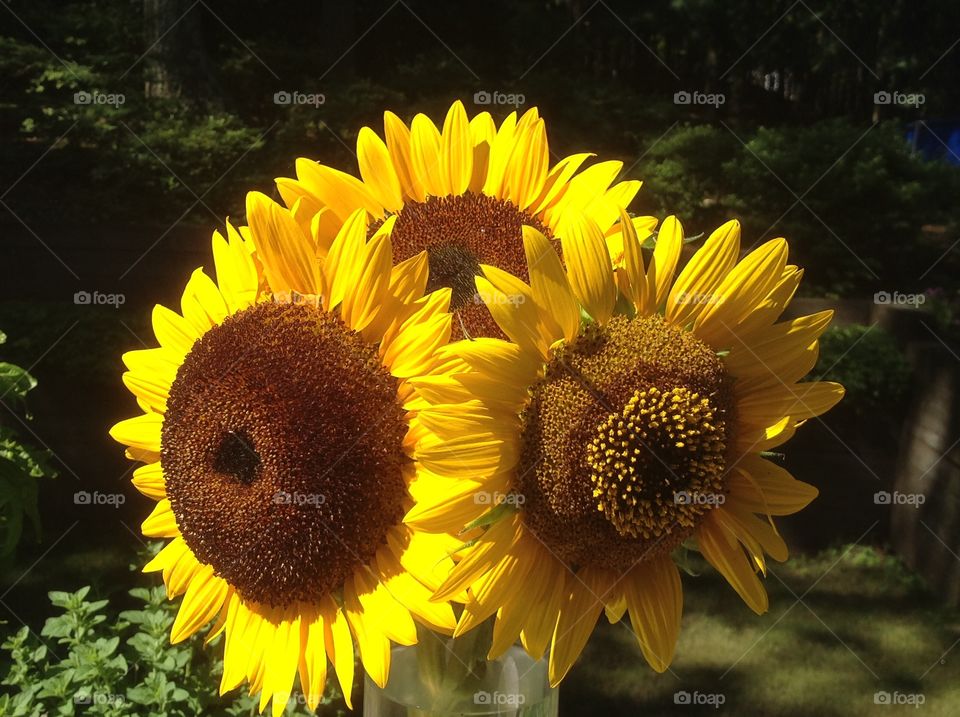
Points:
x=15 y=381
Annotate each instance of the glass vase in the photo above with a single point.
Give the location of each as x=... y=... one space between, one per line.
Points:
x=441 y=676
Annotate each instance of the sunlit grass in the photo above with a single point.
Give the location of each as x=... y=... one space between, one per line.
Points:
x=866 y=626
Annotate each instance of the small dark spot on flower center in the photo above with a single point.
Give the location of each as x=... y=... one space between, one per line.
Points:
x=237 y=457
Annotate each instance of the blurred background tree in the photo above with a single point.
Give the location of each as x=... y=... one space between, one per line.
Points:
x=792 y=150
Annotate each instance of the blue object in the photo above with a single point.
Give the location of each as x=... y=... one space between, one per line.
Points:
x=936 y=140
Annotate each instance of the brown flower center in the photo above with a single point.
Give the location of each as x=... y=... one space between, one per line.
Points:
x=460 y=233
x=282 y=452
x=625 y=443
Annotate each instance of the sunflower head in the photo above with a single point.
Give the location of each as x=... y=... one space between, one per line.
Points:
x=279 y=432
x=463 y=192
x=631 y=411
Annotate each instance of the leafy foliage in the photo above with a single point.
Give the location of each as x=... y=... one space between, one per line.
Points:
x=20 y=463
x=863 y=195
x=851 y=199
x=91 y=659
x=869 y=364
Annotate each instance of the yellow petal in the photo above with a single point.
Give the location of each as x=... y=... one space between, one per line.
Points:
x=482 y=133
x=398 y=143
x=361 y=305
x=560 y=314
x=378 y=171
x=151 y=390
x=289 y=257
x=236 y=272
x=654 y=598
x=374 y=645
x=582 y=191
x=313 y=658
x=425 y=156
x=633 y=266
x=589 y=269
x=555 y=183
x=202 y=303
x=173 y=331
x=344 y=260
x=456 y=155
x=605 y=208
x=784 y=353
x=761 y=486
x=695 y=286
x=528 y=165
x=759 y=535
x=412 y=351
x=766 y=406
x=282 y=660
x=663 y=263
x=511 y=304
x=643 y=227
x=500 y=152
x=336 y=633
x=414 y=596
x=201 y=604
x=141 y=432
x=542 y=621
x=491 y=591
x=726 y=555
x=740 y=292
x=578 y=616
x=496 y=543
x=148 y=480
x=339 y=191
x=161 y=522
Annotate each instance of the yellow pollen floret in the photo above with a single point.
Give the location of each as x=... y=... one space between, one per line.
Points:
x=658 y=464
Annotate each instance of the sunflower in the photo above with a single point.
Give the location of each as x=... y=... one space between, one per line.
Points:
x=462 y=193
x=279 y=432
x=628 y=419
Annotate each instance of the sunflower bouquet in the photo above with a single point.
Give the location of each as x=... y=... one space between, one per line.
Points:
x=463 y=401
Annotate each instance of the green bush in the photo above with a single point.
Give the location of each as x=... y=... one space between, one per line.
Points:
x=869 y=364
x=97 y=661
x=21 y=465
x=849 y=199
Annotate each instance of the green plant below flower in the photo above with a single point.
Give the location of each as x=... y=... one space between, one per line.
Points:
x=90 y=659
x=20 y=463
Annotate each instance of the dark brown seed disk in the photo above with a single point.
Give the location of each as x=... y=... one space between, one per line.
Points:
x=600 y=467
x=282 y=452
x=460 y=233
